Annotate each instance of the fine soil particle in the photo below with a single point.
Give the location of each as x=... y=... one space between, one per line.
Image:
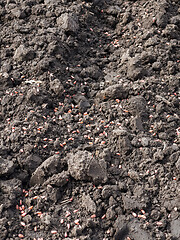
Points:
x=89 y=120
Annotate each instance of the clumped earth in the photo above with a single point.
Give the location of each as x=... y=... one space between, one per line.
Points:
x=89 y=119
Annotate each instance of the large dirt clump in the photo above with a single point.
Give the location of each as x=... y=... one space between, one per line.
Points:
x=89 y=120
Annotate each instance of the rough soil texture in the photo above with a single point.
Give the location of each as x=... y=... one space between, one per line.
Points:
x=89 y=119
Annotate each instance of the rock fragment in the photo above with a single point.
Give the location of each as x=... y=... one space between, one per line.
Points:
x=137 y=106
x=49 y=167
x=23 y=54
x=175 y=228
x=130 y=203
x=112 y=92
x=56 y=87
x=136 y=231
x=57 y=180
x=82 y=166
x=88 y=203
x=82 y=102
x=134 y=69
x=178 y=164
x=6 y=167
x=31 y=162
x=68 y=22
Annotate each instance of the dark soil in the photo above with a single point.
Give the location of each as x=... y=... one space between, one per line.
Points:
x=89 y=119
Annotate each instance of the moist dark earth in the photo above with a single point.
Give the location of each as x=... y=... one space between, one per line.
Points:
x=89 y=119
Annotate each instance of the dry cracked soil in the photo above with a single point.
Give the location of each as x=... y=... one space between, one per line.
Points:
x=89 y=119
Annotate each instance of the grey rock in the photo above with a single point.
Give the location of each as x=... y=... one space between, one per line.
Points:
x=145 y=141
x=88 y=203
x=131 y=203
x=113 y=92
x=137 y=124
x=82 y=166
x=46 y=219
x=6 y=167
x=56 y=87
x=124 y=145
x=110 y=213
x=82 y=102
x=68 y=22
x=161 y=19
x=110 y=190
x=121 y=227
x=156 y=66
x=91 y=71
x=50 y=166
x=30 y=163
x=12 y=186
x=133 y=175
x=175 y=20
x=137 y=106
x=23 y=54
x=178 y=164
x=134 y=69
x=175 y=228
x=18 y=13
x=136 y=232
x=58 y=180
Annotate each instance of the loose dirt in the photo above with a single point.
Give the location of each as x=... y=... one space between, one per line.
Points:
x=89 y=120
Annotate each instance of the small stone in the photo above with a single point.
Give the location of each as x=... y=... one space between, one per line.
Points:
x=137 y=232
x=175 y=228
x=68 y=22
x=134 y=69
x=58 y=180
x=82 y=102
x=110 y=213
x=46 y=218
x=49 y=167
x=23 y=54
x=6 y=167
x=178 y=164
x=83 y=166
x=56 y=87
x=156 y=66
x=113 y=92
x=110 y=190
x=137 y=106
x=89 y=204
x=131 y=203
x=145 y=141
x=133 y=175
x=18 y=13
x=31 y=162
